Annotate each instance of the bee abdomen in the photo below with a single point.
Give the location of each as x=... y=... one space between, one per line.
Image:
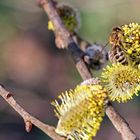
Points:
x=118 y=55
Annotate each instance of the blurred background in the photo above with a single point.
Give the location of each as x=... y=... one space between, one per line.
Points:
x=34 y=70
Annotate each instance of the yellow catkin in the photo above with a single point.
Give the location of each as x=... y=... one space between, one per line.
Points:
x=121 y=81
x=81 y=112
x=125 y=42
x=131 y=42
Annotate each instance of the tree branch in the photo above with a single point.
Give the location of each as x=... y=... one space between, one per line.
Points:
x=119 y=123
x=61 y=32
x=28 y=119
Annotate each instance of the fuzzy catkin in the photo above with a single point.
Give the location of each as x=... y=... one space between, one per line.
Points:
x=122 y=82
x=81 y=112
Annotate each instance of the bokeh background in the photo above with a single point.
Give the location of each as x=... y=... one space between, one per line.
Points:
x=34 y=70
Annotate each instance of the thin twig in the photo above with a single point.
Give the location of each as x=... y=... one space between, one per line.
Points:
x=120 y=124
x=50 y=9
x=29 y=119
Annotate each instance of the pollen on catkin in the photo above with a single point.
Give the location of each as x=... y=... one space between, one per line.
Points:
x=122 y=82
x=69 y=17
x=81 y=112
x=50 y=26
x=131 y=42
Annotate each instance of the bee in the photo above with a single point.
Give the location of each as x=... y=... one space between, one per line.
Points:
x=117 y=54
x=95 y=54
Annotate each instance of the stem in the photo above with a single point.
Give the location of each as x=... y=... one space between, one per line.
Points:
x=119 y=123
x=49 y=130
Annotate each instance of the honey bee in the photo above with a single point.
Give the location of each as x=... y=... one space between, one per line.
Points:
x=117 y=54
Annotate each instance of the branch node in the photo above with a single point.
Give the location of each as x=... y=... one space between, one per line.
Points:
x=1 y=85
x=28 y=125
x=41 y=3
x=9 y=95
x=91 y=81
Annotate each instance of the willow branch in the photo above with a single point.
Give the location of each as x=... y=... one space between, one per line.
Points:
x=29 y=119
x=119 y=123
x=61 y=32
